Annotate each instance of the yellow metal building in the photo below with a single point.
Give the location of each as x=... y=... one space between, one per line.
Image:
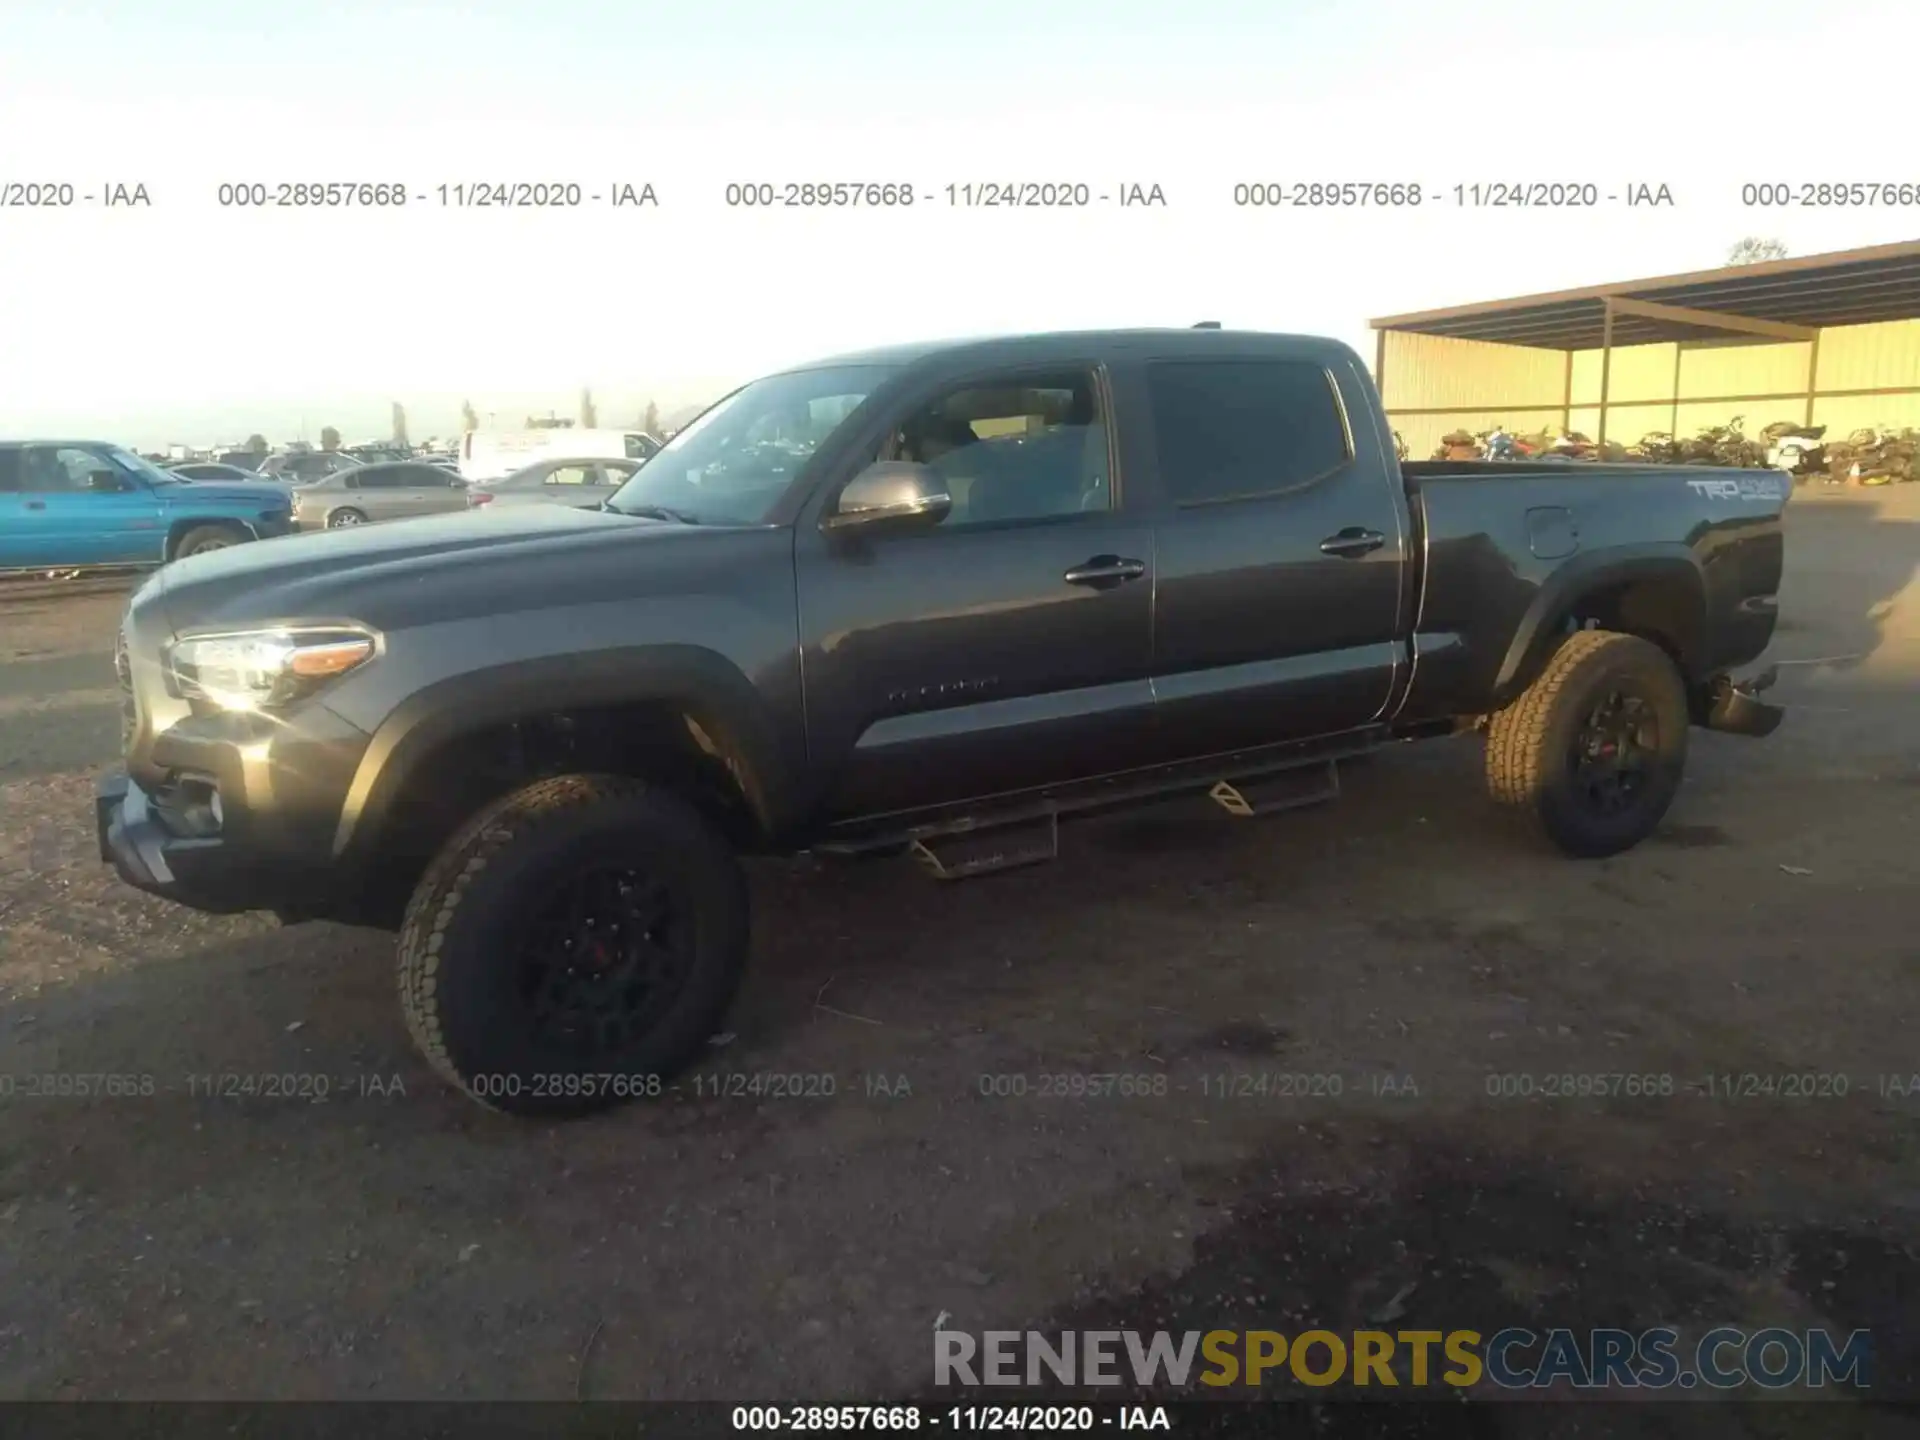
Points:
x=1828 y=340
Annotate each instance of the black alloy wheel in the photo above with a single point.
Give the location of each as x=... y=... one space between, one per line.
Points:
x=603 y=958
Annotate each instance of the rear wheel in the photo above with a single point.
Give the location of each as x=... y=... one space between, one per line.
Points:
x=202 y=538
x=1592 y=753
x=344 y=517
x=574 y=946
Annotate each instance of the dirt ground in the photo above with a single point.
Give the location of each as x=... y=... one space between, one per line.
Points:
x=395 y=1241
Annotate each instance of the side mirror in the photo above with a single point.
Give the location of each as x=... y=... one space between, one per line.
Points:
x=891 y=492
x=106 y=482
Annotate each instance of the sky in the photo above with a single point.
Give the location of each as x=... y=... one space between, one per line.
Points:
x=190 y=321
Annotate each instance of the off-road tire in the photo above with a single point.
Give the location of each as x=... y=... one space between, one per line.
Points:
x=339 y=519
x=453 y=968
x=203 y=538
x=1529 y=742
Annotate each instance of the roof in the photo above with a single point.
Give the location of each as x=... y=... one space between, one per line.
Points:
x=1773 y=300
x=1046 y=344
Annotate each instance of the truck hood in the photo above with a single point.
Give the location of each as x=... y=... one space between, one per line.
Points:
x=339 y=574
x=189 y=494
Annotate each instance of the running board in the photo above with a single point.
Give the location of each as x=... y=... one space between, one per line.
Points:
x=980 y=852
x=1285 y=790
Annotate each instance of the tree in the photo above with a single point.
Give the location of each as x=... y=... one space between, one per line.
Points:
x=1753 y=250
x=588 y=420
x=257 y=444
x=400 y=426
x=469 y=418
x=329 y=438
x=652 y=423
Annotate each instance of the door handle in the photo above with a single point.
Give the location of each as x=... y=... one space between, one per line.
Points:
x=1106 y=570
x=36 y=504
x=1352 y=542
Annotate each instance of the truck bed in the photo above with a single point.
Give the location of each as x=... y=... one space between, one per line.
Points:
x=1508 y=543
x=1417 y=470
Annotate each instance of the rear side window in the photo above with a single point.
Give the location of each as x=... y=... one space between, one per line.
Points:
x=1230 y=429
x=9 y=470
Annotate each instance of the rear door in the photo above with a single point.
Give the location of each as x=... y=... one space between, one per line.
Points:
x=377 y=492
x=577 y=483
x=429 y=490
x=1281 y=552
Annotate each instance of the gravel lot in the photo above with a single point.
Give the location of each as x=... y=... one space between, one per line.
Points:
x=396 y=1241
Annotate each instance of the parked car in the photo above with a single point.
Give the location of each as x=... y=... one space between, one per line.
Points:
x=1023 y=579
x=367 y=493
x=489 y=455
x=583 y=483
x=210 y=470
x=300 y=467
x=77 y=504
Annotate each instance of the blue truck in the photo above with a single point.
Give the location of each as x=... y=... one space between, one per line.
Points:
x=85 y=504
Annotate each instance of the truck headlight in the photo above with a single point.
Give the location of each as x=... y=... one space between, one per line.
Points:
x=262 y=669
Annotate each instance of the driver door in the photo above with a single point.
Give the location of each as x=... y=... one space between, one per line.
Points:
x=1009 y=645
x=78 y=507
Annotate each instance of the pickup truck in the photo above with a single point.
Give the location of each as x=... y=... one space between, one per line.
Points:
x=83 y=504
x=931 y=600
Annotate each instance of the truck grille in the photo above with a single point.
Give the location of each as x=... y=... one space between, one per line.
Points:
x=123 y=674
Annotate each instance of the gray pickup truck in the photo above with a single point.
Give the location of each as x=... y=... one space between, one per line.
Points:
x=932 y=599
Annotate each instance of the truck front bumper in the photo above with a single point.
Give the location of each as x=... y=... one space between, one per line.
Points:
x=210 y=874
x=150 y=857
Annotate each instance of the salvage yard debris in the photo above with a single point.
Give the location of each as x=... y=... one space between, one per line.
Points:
x=1871 y=456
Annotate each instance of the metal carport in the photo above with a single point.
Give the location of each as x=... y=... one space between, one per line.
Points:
x=1777 y=301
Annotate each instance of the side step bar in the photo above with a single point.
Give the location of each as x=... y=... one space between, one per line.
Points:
x=1284 y=790
x=998 y=847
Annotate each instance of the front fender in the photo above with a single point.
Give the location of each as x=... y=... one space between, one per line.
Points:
x=700 y=682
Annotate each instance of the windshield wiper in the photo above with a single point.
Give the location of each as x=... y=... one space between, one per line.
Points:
x=655 y=512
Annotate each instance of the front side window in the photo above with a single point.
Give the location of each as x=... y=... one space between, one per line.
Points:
x=1234 y=429
x=1030 y=447
x=68 y=469
x=732 y=465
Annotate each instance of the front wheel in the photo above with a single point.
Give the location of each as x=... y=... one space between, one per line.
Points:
x=340 y=519
x=202 y=538
x=1593 y=751
x=574 y=946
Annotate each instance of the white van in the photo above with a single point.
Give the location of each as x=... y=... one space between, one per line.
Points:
x=492 y=454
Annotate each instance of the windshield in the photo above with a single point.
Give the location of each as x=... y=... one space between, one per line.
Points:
x=729 y=466
x=145 y=469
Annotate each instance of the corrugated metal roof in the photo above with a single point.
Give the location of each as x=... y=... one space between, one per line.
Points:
x=1843 y=287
